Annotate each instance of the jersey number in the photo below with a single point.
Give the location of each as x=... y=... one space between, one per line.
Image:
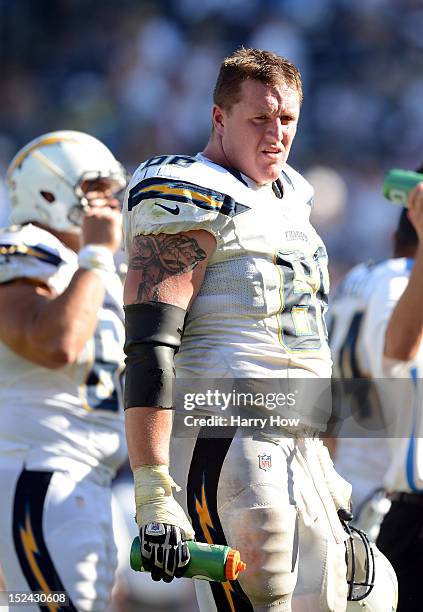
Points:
x=353 y=384
x=304 y=287
x=103 y=386
x=175 y=160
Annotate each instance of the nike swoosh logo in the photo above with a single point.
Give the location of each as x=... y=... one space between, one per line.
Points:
x=173 y=211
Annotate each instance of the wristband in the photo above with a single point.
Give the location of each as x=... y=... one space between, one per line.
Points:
x=97 y=258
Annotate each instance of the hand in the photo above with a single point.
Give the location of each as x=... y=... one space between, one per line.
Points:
x=102 y=224
x=164 y=526
x=164 y=551
x=415 y=209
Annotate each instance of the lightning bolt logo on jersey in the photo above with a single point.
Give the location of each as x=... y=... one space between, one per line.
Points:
x=261 y=306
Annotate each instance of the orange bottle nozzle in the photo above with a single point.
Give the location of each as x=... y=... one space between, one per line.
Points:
x=234 y=565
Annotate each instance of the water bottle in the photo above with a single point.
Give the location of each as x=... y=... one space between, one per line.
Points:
x=398 y=183
x=207 y=561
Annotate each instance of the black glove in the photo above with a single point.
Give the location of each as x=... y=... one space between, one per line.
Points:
x=164 y=551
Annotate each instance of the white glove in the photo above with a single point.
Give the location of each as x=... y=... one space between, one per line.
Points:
x=164 y=526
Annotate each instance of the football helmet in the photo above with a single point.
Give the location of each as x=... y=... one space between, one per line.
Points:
x=372 y=582
x=44 y=178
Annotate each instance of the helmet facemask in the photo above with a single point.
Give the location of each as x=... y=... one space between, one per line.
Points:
x=360 y=564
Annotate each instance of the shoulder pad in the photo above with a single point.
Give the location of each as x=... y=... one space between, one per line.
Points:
x=178 y=196
x=354 y=283
x=27 y=251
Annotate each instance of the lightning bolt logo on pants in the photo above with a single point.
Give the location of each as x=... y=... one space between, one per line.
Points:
x=28 y=536
x=204 y=515
x=31 y=550
x=206 y=522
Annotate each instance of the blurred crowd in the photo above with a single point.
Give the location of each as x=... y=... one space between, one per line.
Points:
x=138 y=74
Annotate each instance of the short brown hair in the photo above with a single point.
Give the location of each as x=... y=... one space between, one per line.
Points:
x=264 y=66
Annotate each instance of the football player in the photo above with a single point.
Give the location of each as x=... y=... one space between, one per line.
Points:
x=61 y=357
x=351 y=353
x=400 y=356
x=377 y=331
x=226 y=271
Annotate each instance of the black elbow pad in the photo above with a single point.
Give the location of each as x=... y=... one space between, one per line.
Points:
x=153 y=336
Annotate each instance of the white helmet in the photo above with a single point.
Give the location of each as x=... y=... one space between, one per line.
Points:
x=372 y=582
x=44 y=178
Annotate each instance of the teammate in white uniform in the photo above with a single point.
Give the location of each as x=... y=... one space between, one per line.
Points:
x=61 y=358
x=352 y=354
x=226 y=235
x=398 y=331
x=376 y=332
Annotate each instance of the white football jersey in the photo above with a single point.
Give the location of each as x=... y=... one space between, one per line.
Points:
x=71 y=417
x=359 y=316
x=260 y=310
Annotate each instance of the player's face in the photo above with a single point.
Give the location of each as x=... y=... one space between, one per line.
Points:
x=257 y=132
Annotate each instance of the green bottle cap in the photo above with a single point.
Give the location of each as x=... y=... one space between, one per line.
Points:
x=398 y=183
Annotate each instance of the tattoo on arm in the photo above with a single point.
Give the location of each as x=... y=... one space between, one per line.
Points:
x=159 y=257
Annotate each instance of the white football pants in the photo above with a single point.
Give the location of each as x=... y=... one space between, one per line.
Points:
x=268 y=498
x=55 y=535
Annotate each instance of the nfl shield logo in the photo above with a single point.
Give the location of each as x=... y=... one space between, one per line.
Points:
x=265 y=462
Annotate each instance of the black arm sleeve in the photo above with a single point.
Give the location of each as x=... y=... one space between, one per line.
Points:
x=153 y=336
